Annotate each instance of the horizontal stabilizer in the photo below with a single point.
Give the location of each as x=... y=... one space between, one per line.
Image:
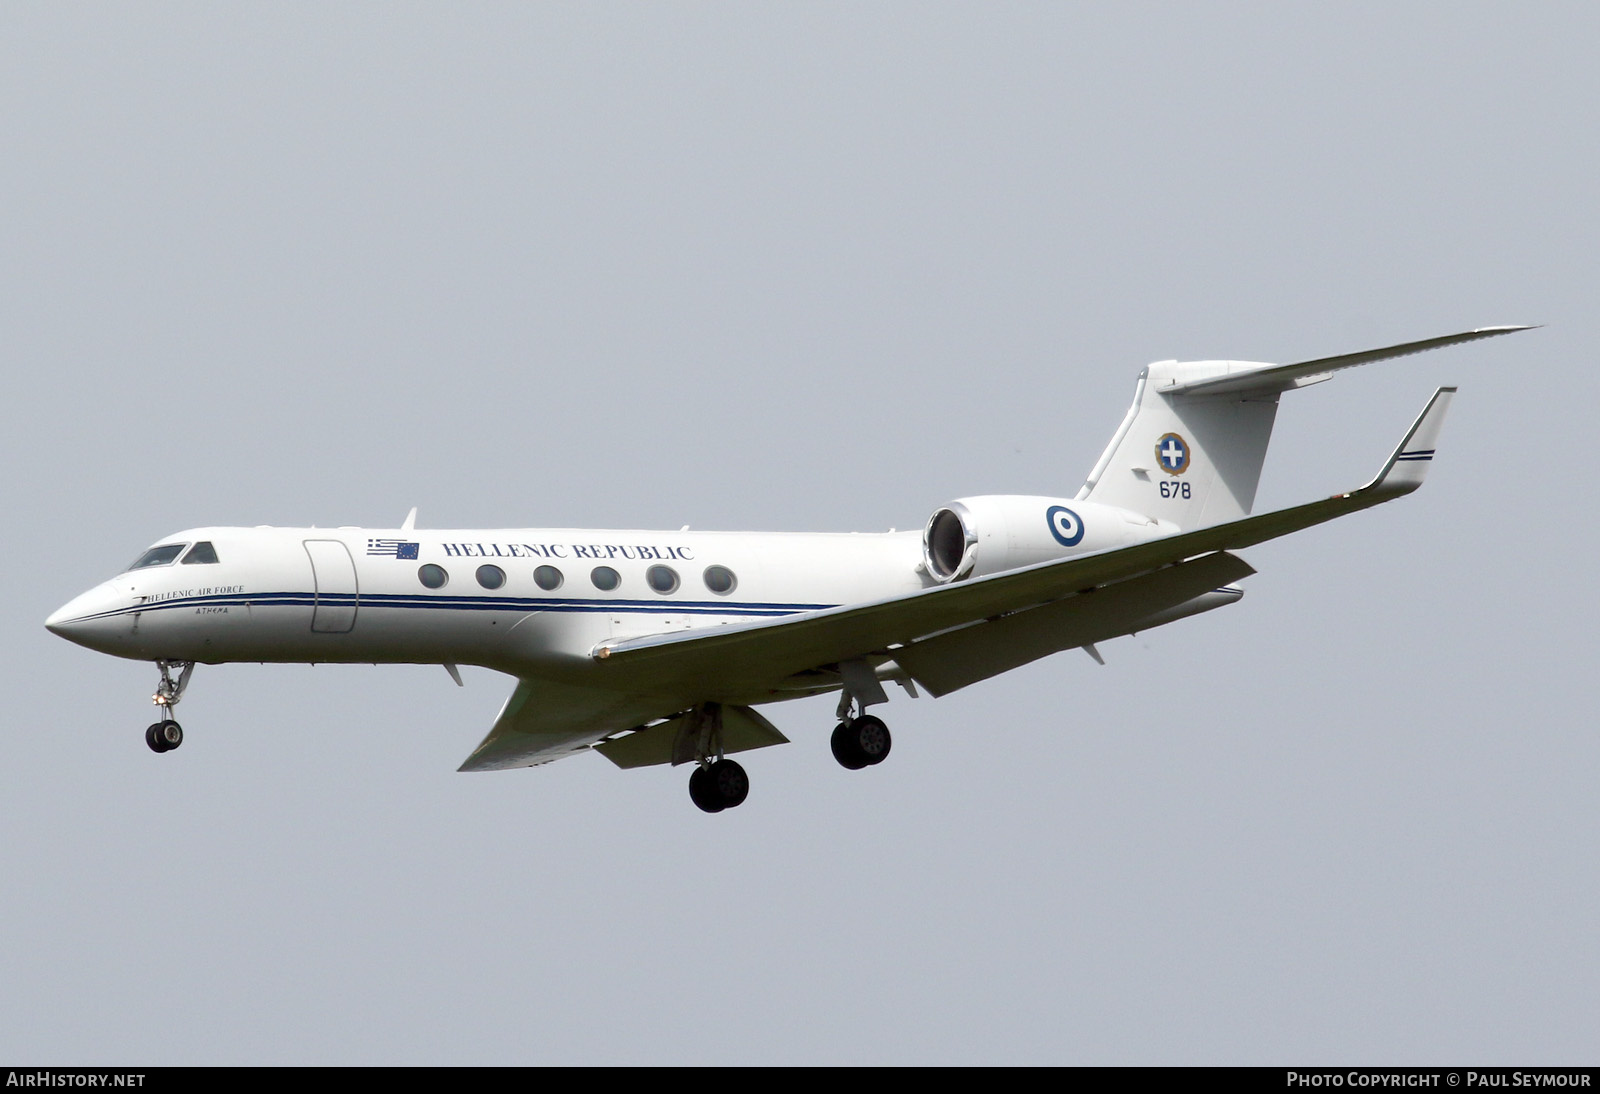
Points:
x=1242 y=377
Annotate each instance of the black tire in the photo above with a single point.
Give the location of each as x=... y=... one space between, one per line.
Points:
x=845 y=749
x=703 y=791
x=170 y=734
x=733 y=785
x=152 y=740
x=871 y=738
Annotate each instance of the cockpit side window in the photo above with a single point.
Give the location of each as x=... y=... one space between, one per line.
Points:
x=200 y=552
x=158 y=556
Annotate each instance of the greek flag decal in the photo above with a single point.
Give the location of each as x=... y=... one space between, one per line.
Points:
x=392 y=548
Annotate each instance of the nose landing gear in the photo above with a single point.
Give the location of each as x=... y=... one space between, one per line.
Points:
x=166 y=735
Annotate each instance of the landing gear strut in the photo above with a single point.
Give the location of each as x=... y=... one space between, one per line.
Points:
x=166 y=735
x=860 y=740
x=716 y=783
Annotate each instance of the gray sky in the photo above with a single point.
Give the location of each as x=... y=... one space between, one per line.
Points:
x=821 y=268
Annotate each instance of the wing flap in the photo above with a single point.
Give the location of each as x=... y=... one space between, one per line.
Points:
x=544 y=720
x=742 y=729
x=953 y=660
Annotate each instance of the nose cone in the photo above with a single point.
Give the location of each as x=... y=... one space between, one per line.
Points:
x=92 y=620
x=59 y=620
x=70 y=615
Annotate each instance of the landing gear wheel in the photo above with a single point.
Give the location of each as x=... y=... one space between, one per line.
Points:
x=164 y=736
x=733 y=785
x=721 y=786
x=872 y=737
x=703 y=792
x=848 y=756
x=861 y=742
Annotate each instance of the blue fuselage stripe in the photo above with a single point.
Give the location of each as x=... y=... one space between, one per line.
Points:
x=462 y=603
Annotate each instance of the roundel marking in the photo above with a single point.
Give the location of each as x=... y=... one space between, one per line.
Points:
x=1172 y=453
x=1065 y=525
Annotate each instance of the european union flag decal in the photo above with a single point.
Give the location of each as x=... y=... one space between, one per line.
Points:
x=394 y=548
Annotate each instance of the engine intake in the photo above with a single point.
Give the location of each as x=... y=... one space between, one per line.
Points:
x=949 y=544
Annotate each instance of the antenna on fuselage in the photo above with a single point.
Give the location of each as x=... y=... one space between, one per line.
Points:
x=410 y=521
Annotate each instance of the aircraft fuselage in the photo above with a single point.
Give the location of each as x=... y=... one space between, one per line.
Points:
x=517 y=600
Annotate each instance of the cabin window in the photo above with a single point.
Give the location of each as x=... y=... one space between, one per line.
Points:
x=491 y=577
x=663 y=579
x=201 y=552
x=605 y=578
x=432 y=576
x=720 y=580
x=548 y=578
x=158 y=556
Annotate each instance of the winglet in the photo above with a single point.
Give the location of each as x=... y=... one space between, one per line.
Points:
x=1408 y=464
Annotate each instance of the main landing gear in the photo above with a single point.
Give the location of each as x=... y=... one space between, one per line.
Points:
x=861 y=742
x=717 y=783
x=166 y=735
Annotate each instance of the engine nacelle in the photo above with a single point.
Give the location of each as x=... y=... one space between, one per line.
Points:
x=986 y=535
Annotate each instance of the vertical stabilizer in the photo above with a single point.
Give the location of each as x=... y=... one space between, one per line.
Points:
x=1190 y=459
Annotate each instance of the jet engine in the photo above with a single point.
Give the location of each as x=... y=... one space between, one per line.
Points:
x=986 y=535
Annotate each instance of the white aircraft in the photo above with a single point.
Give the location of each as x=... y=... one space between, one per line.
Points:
x=655 y=647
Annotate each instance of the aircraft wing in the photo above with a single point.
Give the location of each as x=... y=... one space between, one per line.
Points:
x=747 y=659
x=544 y=720
x=945 y=662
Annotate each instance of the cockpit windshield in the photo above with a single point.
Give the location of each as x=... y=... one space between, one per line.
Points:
x=158 y=556
x=200 y=552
